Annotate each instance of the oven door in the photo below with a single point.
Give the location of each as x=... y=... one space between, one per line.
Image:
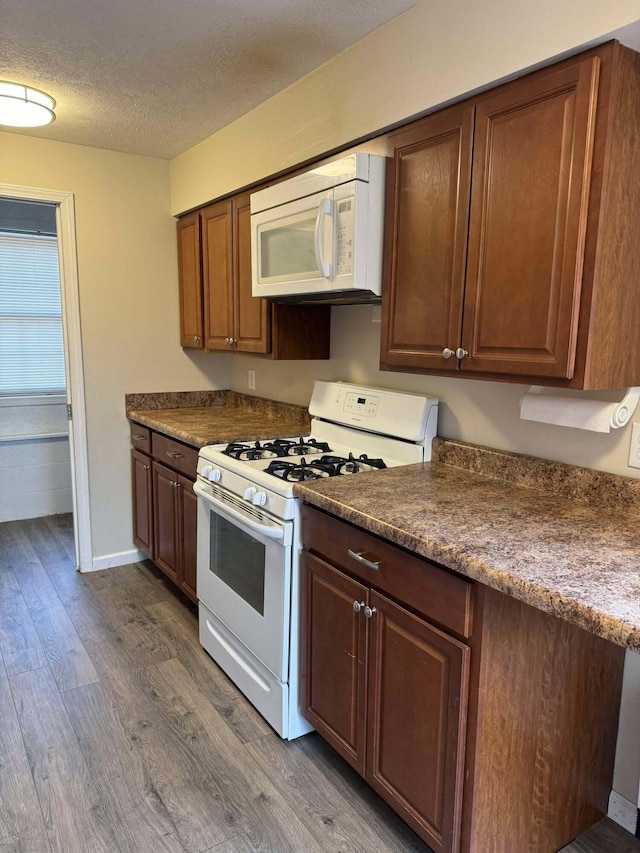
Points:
x=244 y=573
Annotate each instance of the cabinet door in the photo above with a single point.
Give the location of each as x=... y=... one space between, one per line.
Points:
x=217 y=223
x=531 y=175
x=165 y=517
x=190 y=279
x=418 y=679
x=188 y=542
x=251 y=315
x=428 y=181
x=336 y=659
x=142 y=502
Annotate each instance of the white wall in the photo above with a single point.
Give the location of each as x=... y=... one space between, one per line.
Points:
x=35 y=474
x=127 y=271
x=431 y=54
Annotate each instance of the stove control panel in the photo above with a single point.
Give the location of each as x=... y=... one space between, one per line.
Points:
x=359 y=404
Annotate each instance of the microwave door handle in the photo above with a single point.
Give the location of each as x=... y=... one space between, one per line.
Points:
x=325 y=209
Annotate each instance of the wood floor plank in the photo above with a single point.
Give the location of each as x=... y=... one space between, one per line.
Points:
x=117 y=764
x=19 y=641
x=77 y=818
x=179 y=627
x=67 y=656
x=327 y=812
x=393 y=832
x=22 y=828
x=238 y=844
x=183 y=781
x=62 y=527
x=605 y=837
x=250 y=799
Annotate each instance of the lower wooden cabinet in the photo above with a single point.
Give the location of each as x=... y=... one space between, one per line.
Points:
x=388 y=691
x=141 y=488
x=164 y=511
x=488 y=725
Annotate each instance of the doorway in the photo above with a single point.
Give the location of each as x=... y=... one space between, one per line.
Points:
x=56 y=210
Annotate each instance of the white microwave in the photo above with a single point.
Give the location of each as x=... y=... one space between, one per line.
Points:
x=317 y=237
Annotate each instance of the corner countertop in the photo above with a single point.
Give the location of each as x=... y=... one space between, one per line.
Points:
x=575 y=559
x=199 y=418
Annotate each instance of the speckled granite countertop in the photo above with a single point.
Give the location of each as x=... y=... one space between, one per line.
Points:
x=571 y=549
x=224 y=416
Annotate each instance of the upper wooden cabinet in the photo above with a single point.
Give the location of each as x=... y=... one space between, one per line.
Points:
x=218 y=286
x=190 y=279
x=509 y=248
x=428 y=186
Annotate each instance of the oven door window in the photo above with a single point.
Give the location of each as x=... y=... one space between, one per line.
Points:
x=238 y=560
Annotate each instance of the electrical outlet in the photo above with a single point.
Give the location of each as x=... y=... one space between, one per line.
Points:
x=376 y=314
x=634 y=449
x=251 y=379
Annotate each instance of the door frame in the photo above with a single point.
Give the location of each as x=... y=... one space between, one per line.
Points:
x=74 y=368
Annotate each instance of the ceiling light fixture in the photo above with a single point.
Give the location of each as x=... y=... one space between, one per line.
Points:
x=22 y=106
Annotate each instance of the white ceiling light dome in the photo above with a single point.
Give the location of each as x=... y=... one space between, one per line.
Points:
x=23 y=106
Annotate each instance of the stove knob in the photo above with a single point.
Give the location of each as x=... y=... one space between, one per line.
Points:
x=249 y=493
x=259 y=499
x=205 y=470
x=213 y=475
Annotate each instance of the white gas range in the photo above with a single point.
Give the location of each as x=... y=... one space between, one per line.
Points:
x=249 y=531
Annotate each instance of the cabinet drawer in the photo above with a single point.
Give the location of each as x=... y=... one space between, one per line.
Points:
x=140 y=438
x=428 y=589
x=175 y=454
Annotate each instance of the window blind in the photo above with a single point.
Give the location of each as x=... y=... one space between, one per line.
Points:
x=31 y=344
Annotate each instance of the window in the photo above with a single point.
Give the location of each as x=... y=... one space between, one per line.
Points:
x=31 y=345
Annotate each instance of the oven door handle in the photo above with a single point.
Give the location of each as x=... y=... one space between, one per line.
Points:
x=275 y=532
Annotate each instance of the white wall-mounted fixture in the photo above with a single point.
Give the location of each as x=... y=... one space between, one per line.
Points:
x=23 y=106
x=594 y=415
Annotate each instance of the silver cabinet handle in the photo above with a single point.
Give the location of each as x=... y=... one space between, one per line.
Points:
x=196 y=338
x=461 y=353
x=447 y=353
x=370 y=611
x=146 y=467
x=173 y=455
x=138 y=437
x=357 y=555
x=357 y=606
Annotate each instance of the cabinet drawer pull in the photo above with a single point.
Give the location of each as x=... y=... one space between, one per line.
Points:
x=146 y=467
x=173 y=455
x=461 y=353
x=370 y=611
x=358 y=606
x=138 y=437
x=447 y=353
x=370 y=564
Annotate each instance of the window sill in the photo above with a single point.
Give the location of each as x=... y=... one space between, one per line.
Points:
x=34 y=400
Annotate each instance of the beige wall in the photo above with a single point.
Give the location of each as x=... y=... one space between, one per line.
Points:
x=128 y=302
x=433 y=53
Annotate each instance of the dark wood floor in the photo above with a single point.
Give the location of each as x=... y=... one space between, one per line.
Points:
x=118 y=732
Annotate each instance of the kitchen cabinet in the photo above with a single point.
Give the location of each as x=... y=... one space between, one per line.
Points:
x=485 y=723
x=232 y=319
x=385 y=687
x=164 y=505
x=190 y=282
x=142 y=502
x=508 y=247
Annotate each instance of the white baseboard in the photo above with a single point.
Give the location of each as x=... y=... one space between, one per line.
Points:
x=110 y=561
x=623 y=812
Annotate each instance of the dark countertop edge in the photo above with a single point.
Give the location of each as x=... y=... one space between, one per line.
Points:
x=600 y=623
x=151 y=420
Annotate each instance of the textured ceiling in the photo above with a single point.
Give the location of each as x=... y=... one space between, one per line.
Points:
x=157 y=76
